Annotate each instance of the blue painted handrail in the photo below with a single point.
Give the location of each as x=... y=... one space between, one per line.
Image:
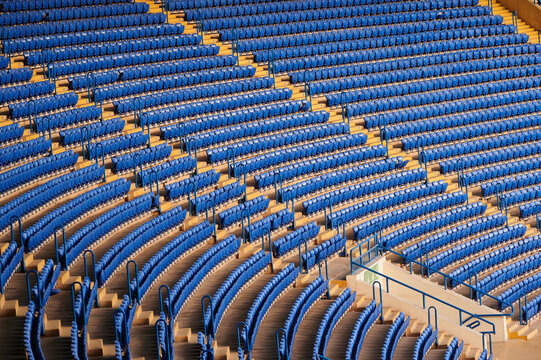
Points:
x=340 y=221
x=304 y=241
x=279 y=174
x=213 y=206
x=96 y=158
x=138 y=297
x=21 y=245
x=244 y=214
x=39 y=302
x=286 y=350
x=380 y=298
x=31 y=107
x=327 y=203
x=64 y=264
x=423 y=159
x=239 y=337
x=168 y=312
x=192 y=146
x=266 y=231
x=125 y=320
x=193 y=209
x=181 y=133
x=435 y=319
x=93 y=270
x=137 y=162
x=293 y=227
x=326 y=273
x=154 y=178
x=230 y=156
x=206 y=330
x=85 y=131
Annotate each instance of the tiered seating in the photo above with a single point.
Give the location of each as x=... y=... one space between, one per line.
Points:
x=454 y=350
x=199 y=181
x=82 y=307
x=127 y=162
x=135 y=240
x=332 y=316
x=165 y=170
x=292 y=240
x=424 y=342
x=11 y=132
x=236 y=213
x=21 y=151
x=272 y=223
x=9 y=260
x=262 y=303
x=531 y=309
x=396 y=331
x=20 y=92
x=303 y=303
x=320 y=252
x=70 y=137
x=217 y=197
x=518 y=290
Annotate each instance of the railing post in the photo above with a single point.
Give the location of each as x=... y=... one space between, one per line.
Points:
x=137 y=162
x=96 y=158
x=211 y=202
x=73 y=300
x=245 y=214
x=154 y=177
x=380 y=297
x=286 y=349
x=340 y=221
x=279 y=174
x=136 y=282
x=266 y=231
x=22 y=245
x=325 y=202
x=230 y=155
x=239 y=336
x=300 y=256
x=423 y=157
x=326 y=273
x=64 y=264
x=85 y=131
x=167 y=337
x=210 y=328
x=435 y=319
x=39 y=302
x=168 y=313
x=292 y=206
x=93 y=271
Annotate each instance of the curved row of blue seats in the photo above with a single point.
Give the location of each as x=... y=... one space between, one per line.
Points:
x=136 y=239
x=376 y=204
x=11 y=132
x=150 y=70
x=527 y=210
x=495 y=257
x=89 y=37
x=217 y=197
x=32 y=332
x=419 y=86
x=435 y=222
x=322 y=251
x=433 y=65
x=302 y=305
x=9 y=261
x=169 y=254
x=359 y=190
x=438 y=108
x=83 y=306
x=7 y=19
x=183 y=187
x=230 y=288
x=484 y=355
x=234 y=214
x=15 y=76
x=292 y=240
x=20 y=92
x=348 y=8
x=272 y=222
x=44 y=193
x=301 y=21
x=507 y=273
x=53 y=27
x=22 y=150
x=474 y=246
x=532 y=308
x=489 y=143
x=44 y=104
x=281 y=140
x=518 y=81
x=332 y=161
x=279 y=283
x=93 y=231
x=479 y=128
x=496 y=171
x=333 y=314
x=293 y=5
x=171 y=81
x=397 y=329
x=394 y=21
x=520 y=195
x=191 y=93
x=4 y=62
x=95 y=130
x=28 y=172
x=368 y=317
x=67 y=118
x=36 y=309
x=341 y=176
x=511 y=183
x=97 y=11
x=520 y=289
x=454 y=350
x=216 y=136
x=214 y=105
x=122 y=325
x=128 y=59
x=9 y=6
x=401 y=34
x=116 y=144
x=424 y=342
x=260 y=162
x=449 y=236
x=410 y=212
x=235 y=117
x=112 y=48
x=143 y=156
x=332 y=54
x=166 y=170
x=490 y=157
x=199 y=270
x=35 y=235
